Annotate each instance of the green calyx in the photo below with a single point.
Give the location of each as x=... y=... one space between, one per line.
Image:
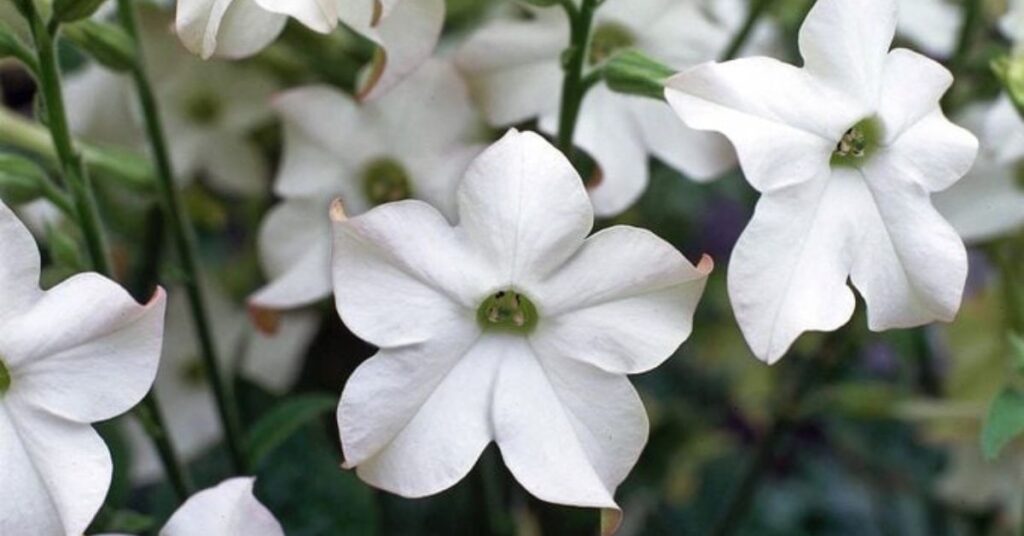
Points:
x=858 y=143
x=5 y=377
x=608 y=39
x=203 y=108
x=385 y=181
x=507 y=310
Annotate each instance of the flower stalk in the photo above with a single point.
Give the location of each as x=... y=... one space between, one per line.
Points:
x=76 y=178
x=757 y=9
x=574 y=87
x=183 y=235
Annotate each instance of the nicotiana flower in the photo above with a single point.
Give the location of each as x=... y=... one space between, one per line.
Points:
x=989 y=201
x=229 y=509
x=514 y=71
x=405 y=30
x=846 y=152
x=415 y=142
x=271 y=361
x=512 y=327
x=79 y=353
x=932 y=25
x=209 y=110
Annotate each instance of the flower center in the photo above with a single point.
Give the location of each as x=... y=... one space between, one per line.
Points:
x=5 y=377
x=507 y=310
x=608 y=39
x=192 y=372
x=203 y=108
x=385 y=180
x=859 y=142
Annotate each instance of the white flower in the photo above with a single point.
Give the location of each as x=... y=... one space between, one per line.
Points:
x=514 y=70
x=79 y=353
x=406 y=30
x=511 y=327
x=933 y=25
x=988 y=202
x=229 y=509
x=414 y=142
x=190 y=410
x=846 y=152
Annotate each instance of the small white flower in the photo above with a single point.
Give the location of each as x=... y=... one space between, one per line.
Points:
x=229 y=509
x=416 y=141
x=406 y=30
x=79 y=353
x=933 y=25
x=988 y=202
x=190 y=410
x=514 y=70
x=209 y=110
x=511 y=327
x=846 y=152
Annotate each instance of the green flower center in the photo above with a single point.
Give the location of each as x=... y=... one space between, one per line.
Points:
x=859 y=142
x=385 y=181
x=192 y=372
x=608 y=39
x=203 y=108
x=5 y=377
x=507 y=310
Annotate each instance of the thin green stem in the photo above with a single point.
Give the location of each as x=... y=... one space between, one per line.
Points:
x=77 y=180
x=757 y=9
x=968 y=30
x=153 y=422
x=574 y=88
x=183 y=235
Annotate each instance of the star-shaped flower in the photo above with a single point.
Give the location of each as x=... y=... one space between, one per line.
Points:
x=405 y=30
x=515 y=72
x=513 y=327
x=846 y=152
x=415 y=142
x=229 y=509
x=79 y=353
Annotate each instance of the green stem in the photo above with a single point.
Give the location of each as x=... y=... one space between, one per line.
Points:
x=757 y=8
x=153 y=422
x=77 y=180
x=574 y=88
x=971 y=20
x=183 y=235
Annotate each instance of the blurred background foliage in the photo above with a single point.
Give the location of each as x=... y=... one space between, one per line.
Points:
x=887 y=443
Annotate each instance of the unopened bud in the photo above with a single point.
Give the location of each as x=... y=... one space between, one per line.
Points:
x=75 y=10
x=632 y=73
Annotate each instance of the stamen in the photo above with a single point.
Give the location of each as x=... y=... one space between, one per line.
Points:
x=858 y=142
x=385 y=181
x=507 y=310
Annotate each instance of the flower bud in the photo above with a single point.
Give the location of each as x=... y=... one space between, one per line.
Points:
x=108 y=44
x=75 y=10
x=633 y=73
x=21 y=180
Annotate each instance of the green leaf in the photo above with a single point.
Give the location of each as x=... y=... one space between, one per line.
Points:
x=21 y=180
x=1016 y=350
x=1005 y=421
x=285 y=419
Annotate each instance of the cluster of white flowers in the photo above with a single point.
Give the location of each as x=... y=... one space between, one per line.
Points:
x=498 y=316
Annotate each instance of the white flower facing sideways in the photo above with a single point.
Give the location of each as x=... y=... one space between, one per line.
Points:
x=271 y=361
x=407 y=31
x=229 y=509
x=415 y=142
x=79 y=353
x=512 y=327
x=514 y=70
x=846 y=152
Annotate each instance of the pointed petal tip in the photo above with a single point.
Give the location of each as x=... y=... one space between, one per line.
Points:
x=337 y=211
x=706 y=264
x=159 y=297
x=611 y=520
x=267 y=321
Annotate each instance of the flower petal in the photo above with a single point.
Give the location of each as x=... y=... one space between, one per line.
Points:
x=19 y=271
x=295 y=247
x=524 y=207
x=318 y=15
x=845 y=42
x=228 y=28
x=911 y=266
x=54 y=474
x=407 y=36
x=401 y=271
x=414 y=420
x=85 y=350
x=235 y=166
x=568 y=432
x=913 y=85
x=788 y=271
x=1004 y=129
x=626 y=317
x=934 y=25
x=985 y=204
x=934 y=152
x=230 y=509
x=784 y=132
x=525 y=80
x=701 y=156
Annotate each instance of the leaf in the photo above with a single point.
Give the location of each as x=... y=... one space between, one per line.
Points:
x=285 y=419
x=1004 y=422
